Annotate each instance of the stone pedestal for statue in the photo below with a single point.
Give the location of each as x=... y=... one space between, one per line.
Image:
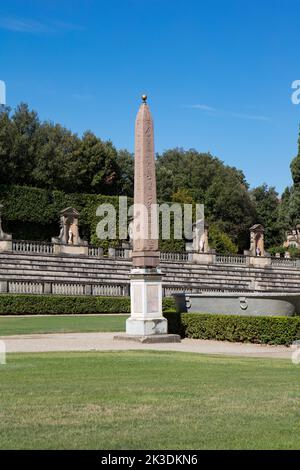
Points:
x=204 y=258
x=146 y=322
x=5 y=238
x=202 y=253
x=260 y=261
x=293 y=238
x=69 y=242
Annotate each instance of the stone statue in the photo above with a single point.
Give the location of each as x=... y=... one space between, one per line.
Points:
x=202 y=245
x=257 y=244
x=70 y=240
x=3 y=235
x=200 y=237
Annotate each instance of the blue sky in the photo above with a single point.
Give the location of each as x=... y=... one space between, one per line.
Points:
x=218 y=73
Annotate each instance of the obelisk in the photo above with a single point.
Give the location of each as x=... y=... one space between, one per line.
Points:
x=145 y=222
x=146 y=322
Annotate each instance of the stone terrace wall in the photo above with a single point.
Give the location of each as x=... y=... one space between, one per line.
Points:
x=82 y=275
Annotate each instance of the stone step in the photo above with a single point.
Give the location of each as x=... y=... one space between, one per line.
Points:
x=63 y=269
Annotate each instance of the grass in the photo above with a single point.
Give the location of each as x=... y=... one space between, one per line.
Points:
x=148 y=400
x=61 y=324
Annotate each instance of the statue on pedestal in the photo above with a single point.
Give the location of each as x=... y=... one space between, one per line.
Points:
x=69 y=240
x=5 y=238
x=257 y=242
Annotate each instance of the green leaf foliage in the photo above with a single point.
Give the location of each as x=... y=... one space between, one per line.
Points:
x=235 y=328
x=23 y=304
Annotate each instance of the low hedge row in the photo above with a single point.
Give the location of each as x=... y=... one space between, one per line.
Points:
x=14 y=304
x=234 y=328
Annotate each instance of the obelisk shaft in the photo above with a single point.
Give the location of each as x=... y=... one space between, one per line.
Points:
x=145 y=226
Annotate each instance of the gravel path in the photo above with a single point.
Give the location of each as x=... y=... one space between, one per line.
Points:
x=105 y=342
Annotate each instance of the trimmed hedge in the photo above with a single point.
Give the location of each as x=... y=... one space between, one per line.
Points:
x=22 y=304
x=235 y=328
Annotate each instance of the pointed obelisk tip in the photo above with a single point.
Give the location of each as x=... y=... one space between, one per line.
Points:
x=144 y=98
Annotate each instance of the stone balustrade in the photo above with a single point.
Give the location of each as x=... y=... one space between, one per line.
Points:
x=96 y=251
x=26 y=246
x=120 y=253
x=174 y=256
x=64 y=288
x=285 y=262
x=111 y=290
x=17 y=287
x=231 y=259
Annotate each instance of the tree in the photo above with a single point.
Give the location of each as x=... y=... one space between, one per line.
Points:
x=289 y=213
x=183 y=196
x=295 y=165
x=267 y=205
x=194 y=171
x=99 y=165
x=220 y=241
x=56 y=163
x=228 y=205
x=18 y=144
x=126 y=180
x=206 y=179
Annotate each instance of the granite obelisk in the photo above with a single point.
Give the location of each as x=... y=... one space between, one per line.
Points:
x=145 y=222
x=146 y=280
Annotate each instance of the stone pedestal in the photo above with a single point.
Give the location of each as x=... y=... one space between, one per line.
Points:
x=260 y=261
x=5 y=245
x=146 y=323
x=204 y=258
x=64 y=249
x=146 y=303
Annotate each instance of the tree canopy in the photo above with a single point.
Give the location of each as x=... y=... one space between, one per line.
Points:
x=49 y=156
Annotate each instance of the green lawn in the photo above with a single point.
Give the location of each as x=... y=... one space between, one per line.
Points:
x=61 y=324
x=154 y=400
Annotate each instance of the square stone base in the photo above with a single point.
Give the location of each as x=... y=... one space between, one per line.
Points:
x=71 y=249
x=150 y=339
x=5 y=245
x=144 y=327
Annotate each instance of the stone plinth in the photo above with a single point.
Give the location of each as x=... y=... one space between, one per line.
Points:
x=5 y=245
x=150 y=339
x=260 y=261
x=63 y=249
x=146 y=303
x=203 y=258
